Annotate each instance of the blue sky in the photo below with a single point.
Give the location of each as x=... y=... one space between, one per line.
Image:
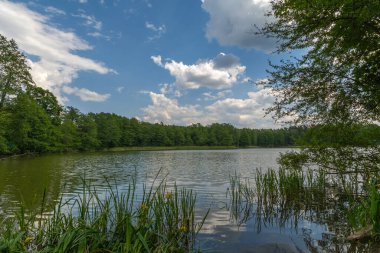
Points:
x=170 y=61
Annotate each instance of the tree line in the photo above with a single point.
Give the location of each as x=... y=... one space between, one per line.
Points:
x=32 y=120
x=41 y=125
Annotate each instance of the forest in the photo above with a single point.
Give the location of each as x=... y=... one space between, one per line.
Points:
x=33 y=121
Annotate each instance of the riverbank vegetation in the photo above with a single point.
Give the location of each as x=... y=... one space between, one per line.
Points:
x=333 y=88
x=156 y=219
x=288 y=197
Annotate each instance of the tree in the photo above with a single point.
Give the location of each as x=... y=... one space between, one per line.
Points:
x=335 y=83
x=337 y=79
x=244 y=140
x=14 y=71
x=88 y=132
x=333 y=86
x=70 y=137
x=30 y=128
x=47 y=101
x=5 y=118
x=109 y=129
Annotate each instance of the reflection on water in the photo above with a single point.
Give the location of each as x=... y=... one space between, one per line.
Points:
x=206 y=172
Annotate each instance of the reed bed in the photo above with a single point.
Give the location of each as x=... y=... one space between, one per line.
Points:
x=281 y=197
x=157 y=220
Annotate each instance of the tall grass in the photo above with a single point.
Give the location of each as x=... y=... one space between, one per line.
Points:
x=343 y=202
x=158 y=220
x=281 y=196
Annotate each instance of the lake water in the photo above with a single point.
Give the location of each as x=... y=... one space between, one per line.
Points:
x=206 y=172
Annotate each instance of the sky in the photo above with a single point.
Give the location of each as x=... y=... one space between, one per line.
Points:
x=172 y=61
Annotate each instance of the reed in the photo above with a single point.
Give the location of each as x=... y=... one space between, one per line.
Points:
x=160 y=219
x=283 y=196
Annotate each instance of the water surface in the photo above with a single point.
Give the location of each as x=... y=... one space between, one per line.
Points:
x=23 y=180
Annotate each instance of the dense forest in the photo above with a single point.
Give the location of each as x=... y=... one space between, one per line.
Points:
x=31 y=123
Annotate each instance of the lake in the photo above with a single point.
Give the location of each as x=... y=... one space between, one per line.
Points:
x=207 y=172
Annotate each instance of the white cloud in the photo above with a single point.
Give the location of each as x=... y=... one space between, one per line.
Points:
x=244 y=112
x=232 y=22
x=90 y=21
x=82 y=1
x=168 y=110
x=157 y=60
x=222 y=72
x=170 y=89
x=54 y=11
x=57 y=64
x=99 y=35
x=85 y=94
x=157 y=30
x=209 y=96
x=241 y=112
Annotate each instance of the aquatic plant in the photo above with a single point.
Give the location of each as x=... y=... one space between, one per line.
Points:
x=343 y=202
x=160 y=219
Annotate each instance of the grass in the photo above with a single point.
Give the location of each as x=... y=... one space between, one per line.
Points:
x=157 y=220
x=282 y=196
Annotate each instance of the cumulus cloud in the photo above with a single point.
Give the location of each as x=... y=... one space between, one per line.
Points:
x=158 y=31
x=56 y=64
x=222 y=72
x=244 y=112
x=164 y=109
x=232 y=22
x=170 y=89
x=85 y=94
x=241 y=112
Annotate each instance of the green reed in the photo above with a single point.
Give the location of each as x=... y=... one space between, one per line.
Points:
x=283 y=196
x=160 y=219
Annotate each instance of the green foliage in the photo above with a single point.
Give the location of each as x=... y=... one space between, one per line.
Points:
x=47 y=101
x=159 y=219
x=109 y=129
x=364 y=212
x=333 y=87
x=31 y=130
x=338 y=135
x=337 y=77
x=14 y=71
x=88 y=132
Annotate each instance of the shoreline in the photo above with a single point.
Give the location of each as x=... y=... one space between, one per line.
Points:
x=140 y=149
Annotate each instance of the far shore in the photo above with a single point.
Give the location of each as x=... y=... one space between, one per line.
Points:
x=147 y=148
x=165 y=148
